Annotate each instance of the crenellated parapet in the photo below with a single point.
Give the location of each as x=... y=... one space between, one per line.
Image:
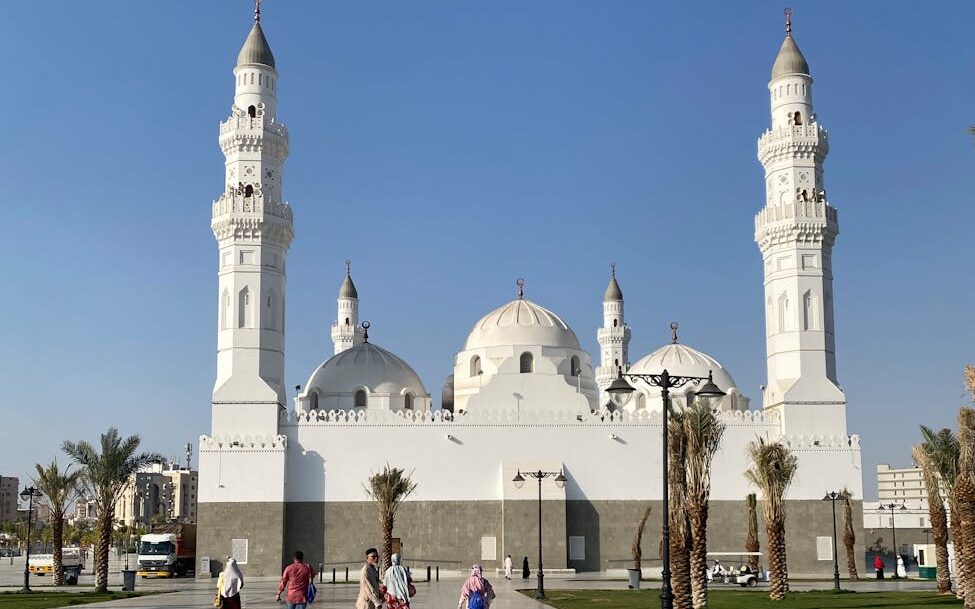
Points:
x=243 y=443
x=242 y=133
x=251 y=219
x=793 y=142
x=813 y=222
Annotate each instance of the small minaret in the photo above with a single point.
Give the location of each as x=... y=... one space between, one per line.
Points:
x=613 y=337
x=795 y=233
x=346 y=331
x=253 y=228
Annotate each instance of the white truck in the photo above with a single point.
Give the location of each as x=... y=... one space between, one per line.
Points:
x=43 y=564
x=169 y=551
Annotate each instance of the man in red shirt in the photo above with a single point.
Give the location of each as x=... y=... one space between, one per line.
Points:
x=296 y=577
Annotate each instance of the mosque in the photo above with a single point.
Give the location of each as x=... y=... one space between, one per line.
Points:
x=522 y=395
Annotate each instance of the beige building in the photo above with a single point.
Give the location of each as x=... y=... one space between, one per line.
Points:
x=903 y=485
x=158 y=491
x=8 y=498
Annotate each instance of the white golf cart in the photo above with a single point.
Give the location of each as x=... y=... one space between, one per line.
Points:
x=735 y=569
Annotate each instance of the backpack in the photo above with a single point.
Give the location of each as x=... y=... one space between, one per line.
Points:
x=475 y=600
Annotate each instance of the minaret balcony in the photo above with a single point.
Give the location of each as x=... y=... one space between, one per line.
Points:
x=244 y=131
x=233 y=203
x=786 y=142
x=814 y=220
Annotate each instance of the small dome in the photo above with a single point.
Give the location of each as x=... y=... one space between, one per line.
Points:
x=681 y=360
x=348 y=288
x=789 y=60
x=365 y=365
x=521 y=322
x=613 y=291
x=255 y=49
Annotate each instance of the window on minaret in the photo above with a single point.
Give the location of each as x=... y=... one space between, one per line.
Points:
x=243 y=306
x=313 y=401
x=797 y=118
x=252 y=111
x=616 y=323
x=784 y=313
x=347 y=321
x=248 y=191
x=574 y=368
x=360 y=399
x=527 y=362
x=224 y=309
x=475 y=366
x=408 y=401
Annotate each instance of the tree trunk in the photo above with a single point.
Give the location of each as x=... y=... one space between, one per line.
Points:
x=959 y=545
x=849 y=538
x=680 y=566
x=778 y=566
x=699 y=553
x=101 y=553
x=751 y=541
x=57 y=526
x=386 y=525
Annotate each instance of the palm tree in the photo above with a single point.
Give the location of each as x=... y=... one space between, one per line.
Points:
x=58 y=488
x=680 y=531
x=964 y=494
x=773 y=467
x=751 y=540
x=702 y=432
x=936 y=513
x=943 y=450
x=637 y=547
x=389 y=488
x=849 y=537
x=106 y=474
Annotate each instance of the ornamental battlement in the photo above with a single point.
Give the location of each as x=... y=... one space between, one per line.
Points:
x=792 y=141
x=243 y=443
x=802 y=221
x=245 y=125
x=408 y=418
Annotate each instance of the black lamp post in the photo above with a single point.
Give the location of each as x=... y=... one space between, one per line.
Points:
x=666 y=383
x=28 y=495
x=833 y=496
x=519 y=481
x=893 y=529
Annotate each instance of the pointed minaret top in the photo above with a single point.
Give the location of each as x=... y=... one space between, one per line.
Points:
x=348 y=288
x=790 y=59
x=256 y=50
x=613 y=291
x=257 y=10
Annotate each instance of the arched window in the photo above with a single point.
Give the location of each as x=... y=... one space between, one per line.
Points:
x=641 y=401
x=797 y=119
x=248 y=191
x=224 y=309
x=574 y=368
x=616 y=323
x=527 y=362
x=313 y=400
x=347 y=321
x=252 y=111
x=769 y=317
x=360 y=398
x=243 y=307
x=810 y=311
x=784 y=324
x=408 y=401
x=270 y=315
x=476 y=366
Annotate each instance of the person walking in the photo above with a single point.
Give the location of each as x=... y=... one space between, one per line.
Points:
x=370 y=596
x=228 y=586
x=525 y=571
x=878 y=565
x=476 y=593
x=507 y=566
x=295 y=579
x=398 y=584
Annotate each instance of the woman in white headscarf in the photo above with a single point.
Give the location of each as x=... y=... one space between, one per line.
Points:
x=229 y=585
x=399 y=587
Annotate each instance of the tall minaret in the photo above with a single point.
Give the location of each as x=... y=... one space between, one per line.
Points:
x=795 y=233
x=253 y=228
x=613 y=337
x=346 y=331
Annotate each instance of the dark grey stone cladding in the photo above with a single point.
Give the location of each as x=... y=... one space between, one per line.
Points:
x=449 y=533
x=262 y=524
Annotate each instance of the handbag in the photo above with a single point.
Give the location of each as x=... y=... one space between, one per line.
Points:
x=412 y=589
x=311 y=593
x=218 y=600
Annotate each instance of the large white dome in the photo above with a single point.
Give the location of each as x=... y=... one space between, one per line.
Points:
x=365 y=365
x=521 y=322
x=681 y=360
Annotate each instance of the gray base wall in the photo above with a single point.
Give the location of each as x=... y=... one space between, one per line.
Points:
x=261 y=524
x=450 y=533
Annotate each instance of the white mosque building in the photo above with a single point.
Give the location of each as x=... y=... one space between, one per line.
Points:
x=523 y=393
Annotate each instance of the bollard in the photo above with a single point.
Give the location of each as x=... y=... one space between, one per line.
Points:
x=428 y=572
x=438 y=572
x=321 y=572
x=346 y=575
x=333 y=576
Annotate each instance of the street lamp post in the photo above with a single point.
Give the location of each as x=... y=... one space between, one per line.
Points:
x=28 y=495
x=666 y=382
x=893 y=529
x=832 y=496
x=519 y=481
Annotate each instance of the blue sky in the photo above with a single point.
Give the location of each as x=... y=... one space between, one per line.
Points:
x=448 y=148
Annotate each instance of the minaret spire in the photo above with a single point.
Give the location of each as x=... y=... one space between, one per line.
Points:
x=257 y=11
x=613 y=337
x=788 y=20
x=347 y=332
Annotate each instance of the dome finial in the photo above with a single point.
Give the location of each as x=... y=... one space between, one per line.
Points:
x=348 y=267
x=365 y=331
x=521 y=287
x=673 y=332
x=612 y=267
x=788 y=20
x=257 y=10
